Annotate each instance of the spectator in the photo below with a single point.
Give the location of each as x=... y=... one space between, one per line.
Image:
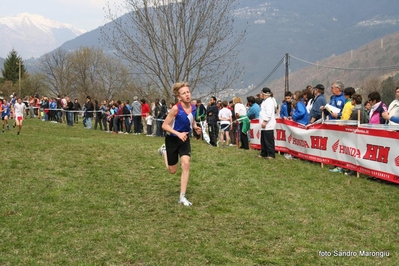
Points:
x=99 y=118
x=318 y=103
x=156 y=111
x=367 y=107
x=89 y=112
x=53 y=111
x=136 y=113
x=115 y=124
x=37 y=106
x=393 y=110
x=145 y=109
x=104 y=110
x=347 y=110
x=254 y=108
x=225 y=123
x=219 y=104
x=337 y=100
x=357 y=110
x=357 y=106
x=258 y=99
x=240 y=113
x=300 y=114
x=76 y=108
x=111 y=116
x=212 y=112
x=267 y=123
x=346 y=114
x=127 y=117
x=45 y=106
x=199 y=117
x=120 y=119
x=377 y=108
x=286 y=106
x=149 y=118
x=32 y=106
x=308 y=96
x=59 y=109
x=164 y=113
x=69 y=111
x=234 y=138
x=276 y=105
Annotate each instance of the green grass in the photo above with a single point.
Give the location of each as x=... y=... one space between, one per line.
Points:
x=70 y=196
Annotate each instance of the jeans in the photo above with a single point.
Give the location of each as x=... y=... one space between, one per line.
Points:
x=75 y=117
x=70 y=118
x=127 y=124
x=105 y=122
x=159 y=132
x=149 y=129
x=88 y=122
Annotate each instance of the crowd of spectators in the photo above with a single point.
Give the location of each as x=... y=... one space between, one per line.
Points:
x=305 y=107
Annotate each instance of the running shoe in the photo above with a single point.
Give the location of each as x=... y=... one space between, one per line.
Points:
x=162 y=149
x=350 y=173
x=184 y=201
x=336 y=170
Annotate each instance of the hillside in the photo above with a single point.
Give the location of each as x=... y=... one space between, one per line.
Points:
x=380 y=53
x=310 y=29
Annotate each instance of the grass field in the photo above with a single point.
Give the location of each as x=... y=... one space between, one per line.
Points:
x=70 y=196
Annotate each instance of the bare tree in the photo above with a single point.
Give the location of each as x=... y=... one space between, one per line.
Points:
x=85 y=64
x=369 y=86
x=170 y=40
x=86 y=71
x=114 y=78
x=58 y=72
x=35 y=84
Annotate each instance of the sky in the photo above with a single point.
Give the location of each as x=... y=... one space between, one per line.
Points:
x=83 y=14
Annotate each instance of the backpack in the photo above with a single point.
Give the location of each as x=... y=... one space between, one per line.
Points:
x=380 y=109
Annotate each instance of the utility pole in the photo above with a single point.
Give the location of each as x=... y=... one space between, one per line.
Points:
x=287 y=62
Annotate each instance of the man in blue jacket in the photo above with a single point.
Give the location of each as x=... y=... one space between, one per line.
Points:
x=286 y=106
x=337 y=100
x=319 y=101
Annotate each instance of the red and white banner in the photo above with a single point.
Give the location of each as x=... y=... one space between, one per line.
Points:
x=369 y=151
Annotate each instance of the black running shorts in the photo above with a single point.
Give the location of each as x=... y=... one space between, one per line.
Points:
x=176 y=147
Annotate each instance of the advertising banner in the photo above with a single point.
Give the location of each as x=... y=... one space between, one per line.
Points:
x=369 y=151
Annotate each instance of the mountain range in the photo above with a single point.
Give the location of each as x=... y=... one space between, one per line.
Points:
x=33 y=35
x=311 y=30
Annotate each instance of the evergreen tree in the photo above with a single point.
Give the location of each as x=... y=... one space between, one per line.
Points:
x=11 y=67
x=388 y=89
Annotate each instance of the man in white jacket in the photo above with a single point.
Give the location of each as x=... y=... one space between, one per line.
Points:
x=267 y=121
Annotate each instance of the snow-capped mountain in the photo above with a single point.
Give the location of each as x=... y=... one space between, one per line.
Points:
x=33 y=35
